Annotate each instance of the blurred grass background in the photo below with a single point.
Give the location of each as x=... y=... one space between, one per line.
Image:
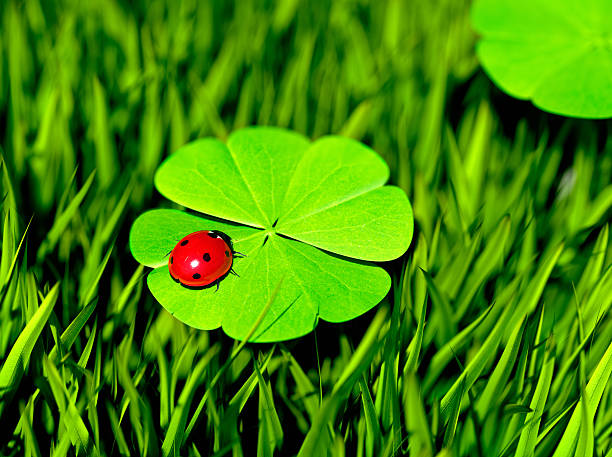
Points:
x=496 y=337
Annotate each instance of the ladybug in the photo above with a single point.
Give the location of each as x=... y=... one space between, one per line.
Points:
x=202 y=259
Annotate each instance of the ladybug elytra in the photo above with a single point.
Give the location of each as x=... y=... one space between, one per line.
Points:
x=202 y=259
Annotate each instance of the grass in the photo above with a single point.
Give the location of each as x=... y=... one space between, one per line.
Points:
x=495 y=340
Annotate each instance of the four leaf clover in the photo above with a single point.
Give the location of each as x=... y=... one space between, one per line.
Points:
x=312 y=214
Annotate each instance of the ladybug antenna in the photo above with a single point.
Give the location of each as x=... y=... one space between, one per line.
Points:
x=169 y=252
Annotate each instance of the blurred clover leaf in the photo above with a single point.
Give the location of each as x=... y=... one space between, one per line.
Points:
x=557 y=53
x=314 y=214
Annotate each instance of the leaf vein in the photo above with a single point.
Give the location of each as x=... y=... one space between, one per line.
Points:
x=247 y=184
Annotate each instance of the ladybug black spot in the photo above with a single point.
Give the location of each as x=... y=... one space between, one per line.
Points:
x=226 y=253
x=171 y=259
x=206 y=257
x=184 y=242
x=196 y=276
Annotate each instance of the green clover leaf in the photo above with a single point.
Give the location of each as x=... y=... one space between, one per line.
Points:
x=556 y=53
x=298 y=210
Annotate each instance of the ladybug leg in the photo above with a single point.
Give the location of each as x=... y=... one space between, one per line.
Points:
x=169 y=252
x=240 y=254
x=217 y=286
x=233 y=272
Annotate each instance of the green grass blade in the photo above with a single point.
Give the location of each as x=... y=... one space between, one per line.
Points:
x=445 y=353
x=527 y=441
x=594 y=267
x=451 y=428
x=473 y=369
x=106 y=160
x=534 y=289
x=6 y=273
x=62 y=220
x=270 y=431
x=414 y=349
x=176 y=429
x=86 y=293
x=442 y=314
x=593 y=393
x=305 y=390
x=420 y=436
x=69 y=414
x=489 y=398
x=117 y=432
x=484 y=265
x=29 y=437
x=73 y=330
x=371 y=418
x=15 y=363
x=84 y=357
x=316 y=440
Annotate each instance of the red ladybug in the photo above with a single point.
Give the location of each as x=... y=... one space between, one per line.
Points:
x=202 y=258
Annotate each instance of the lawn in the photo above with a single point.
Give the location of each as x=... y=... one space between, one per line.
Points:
x=495 y=338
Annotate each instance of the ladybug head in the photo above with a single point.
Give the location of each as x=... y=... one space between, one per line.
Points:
x=223 y=236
